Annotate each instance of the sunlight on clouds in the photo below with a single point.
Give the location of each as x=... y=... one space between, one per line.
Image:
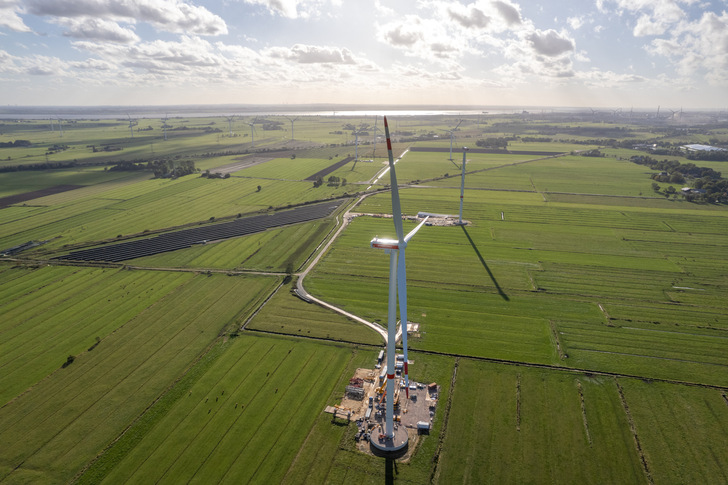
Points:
x=293 y=9
x=169 y=15
x=9 y=17
x=97 y=29
x=310 y=54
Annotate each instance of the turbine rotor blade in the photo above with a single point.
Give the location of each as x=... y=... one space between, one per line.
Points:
x=396 y=207
x=414 y=231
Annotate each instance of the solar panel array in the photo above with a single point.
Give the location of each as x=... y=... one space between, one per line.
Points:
x=199 y=235
x=323 y=173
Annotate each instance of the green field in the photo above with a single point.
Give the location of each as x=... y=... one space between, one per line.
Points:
x=577 y=324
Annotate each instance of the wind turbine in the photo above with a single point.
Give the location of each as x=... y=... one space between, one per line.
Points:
x=374 y=152
x=164 y=125
x=452 y=134
x=132 y=124
x=292 y=120
x=462 y=189
x=252 y=132
x=397 y=284
x=356 y=146
x=230 y=120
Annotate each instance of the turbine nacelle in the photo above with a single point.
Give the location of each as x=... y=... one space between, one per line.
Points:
x=387 y=244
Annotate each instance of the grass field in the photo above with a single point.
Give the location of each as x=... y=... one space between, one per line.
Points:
x=242 y=421
x=581 y=316
x=51 y=430
x=568 y=429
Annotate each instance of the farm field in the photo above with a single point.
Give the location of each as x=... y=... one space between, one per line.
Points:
x=242 y=421
x=150 y=205
x=56 y=426
x=580 y=315
x=571 y=427
x=285 y=314
x=547 y=273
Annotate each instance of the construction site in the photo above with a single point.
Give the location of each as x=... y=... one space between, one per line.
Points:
x=364 y=403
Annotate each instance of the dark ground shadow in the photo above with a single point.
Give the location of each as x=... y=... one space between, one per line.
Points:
x=390 y=470
x=485 y=265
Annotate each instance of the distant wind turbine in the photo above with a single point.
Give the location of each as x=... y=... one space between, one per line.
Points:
x=252 y=132
x=356 y=145
x=132 y=124
x=292 y=120
x=374 y=152
x=230 y=120
x=462 y=189
x=452 y=135
x=164 y=125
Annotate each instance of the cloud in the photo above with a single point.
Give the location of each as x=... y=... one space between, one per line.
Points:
x=550 y=43
x=284 y=8
x=168 y=15
x=9 y=17
x=428 y=39
x=609 y=79
x=404 y=34
x=698 y=47
x=92 y=64
x=295 y=8
x=98 y=29
x=483 y=15
x=509 y=12
x=34 y=65
x=171 y=58
x=472 y=18
x=309 y=54
x=575 y=22
x=655 y=16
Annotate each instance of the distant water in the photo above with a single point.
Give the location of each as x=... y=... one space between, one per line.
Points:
x=213 y=111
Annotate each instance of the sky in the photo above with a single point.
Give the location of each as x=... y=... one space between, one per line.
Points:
x=577 y=53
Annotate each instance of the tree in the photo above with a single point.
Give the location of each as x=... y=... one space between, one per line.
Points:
x=655 y=186
x=259 y=188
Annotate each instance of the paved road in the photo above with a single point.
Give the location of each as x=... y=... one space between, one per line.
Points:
x=301 y=290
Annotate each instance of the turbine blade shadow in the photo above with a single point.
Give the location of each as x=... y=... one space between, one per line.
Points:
x=485 y=265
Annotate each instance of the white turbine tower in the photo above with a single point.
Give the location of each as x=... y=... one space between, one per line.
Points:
x=356 y=146
x=397 y=284
x=132 y=124
x=452 y=134
x=165 y=126
x=374 y=152
x=230 y=120
x=291 y=120
x=462 y=189
x=252 y=132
